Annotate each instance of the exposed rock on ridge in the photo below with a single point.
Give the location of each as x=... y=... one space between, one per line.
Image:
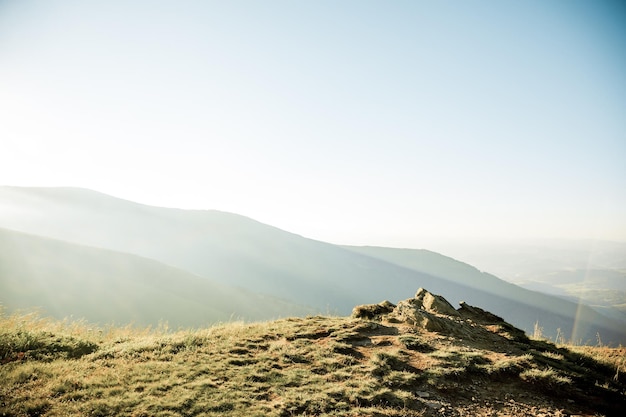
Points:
x=434 y=313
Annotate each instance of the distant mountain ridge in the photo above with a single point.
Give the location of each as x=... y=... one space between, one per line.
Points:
x=237 y=251
x=105 y=286
x=590 y=271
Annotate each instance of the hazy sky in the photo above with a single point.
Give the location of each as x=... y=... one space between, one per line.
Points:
x=362 y=122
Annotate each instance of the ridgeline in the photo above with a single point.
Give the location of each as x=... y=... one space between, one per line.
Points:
x=420 y=357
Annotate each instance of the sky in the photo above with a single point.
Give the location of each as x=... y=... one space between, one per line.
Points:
x=354 y=122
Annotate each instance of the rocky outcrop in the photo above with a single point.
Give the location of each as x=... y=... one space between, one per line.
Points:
x=434 y=313
x=427 y=310
x=478 y=314
x=430 y=303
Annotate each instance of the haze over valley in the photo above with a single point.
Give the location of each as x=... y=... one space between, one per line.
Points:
x=77 y=252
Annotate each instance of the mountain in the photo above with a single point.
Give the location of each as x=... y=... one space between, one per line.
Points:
x=435 y=264
x=106 y=286
x=420 y=357
x=602 y=289
x=237 y=251
x=590 y=271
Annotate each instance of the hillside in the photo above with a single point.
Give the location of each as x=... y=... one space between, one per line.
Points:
x=237 y=251
x=592 y=271
x=104 y=286
x=437 y=265
x=419 y=358
x=603 y=289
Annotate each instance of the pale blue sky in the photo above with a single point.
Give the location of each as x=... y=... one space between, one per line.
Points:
x=363 y=122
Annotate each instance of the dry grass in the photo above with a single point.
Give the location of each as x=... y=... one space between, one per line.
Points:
x=316 y=366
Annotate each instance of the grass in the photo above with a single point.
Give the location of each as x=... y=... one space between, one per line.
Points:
x=315 y=366
x=547 y=377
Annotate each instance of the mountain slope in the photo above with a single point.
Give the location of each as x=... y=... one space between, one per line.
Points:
x=105 y=286
x=432 y=263
x=473 y=364
x=224 y=246
x=242 y=252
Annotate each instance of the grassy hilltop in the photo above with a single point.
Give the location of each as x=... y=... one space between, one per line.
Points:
x=315 y=366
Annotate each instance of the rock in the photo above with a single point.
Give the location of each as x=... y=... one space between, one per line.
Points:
x=493 y=322
x=434 y=313
x=478 y=314
x=434 y=303
x=429 y=311
x=410 y=311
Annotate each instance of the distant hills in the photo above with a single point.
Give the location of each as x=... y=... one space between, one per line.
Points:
x=462 y=273
x=592 y=271
x=105 y=286
x=205 y=249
